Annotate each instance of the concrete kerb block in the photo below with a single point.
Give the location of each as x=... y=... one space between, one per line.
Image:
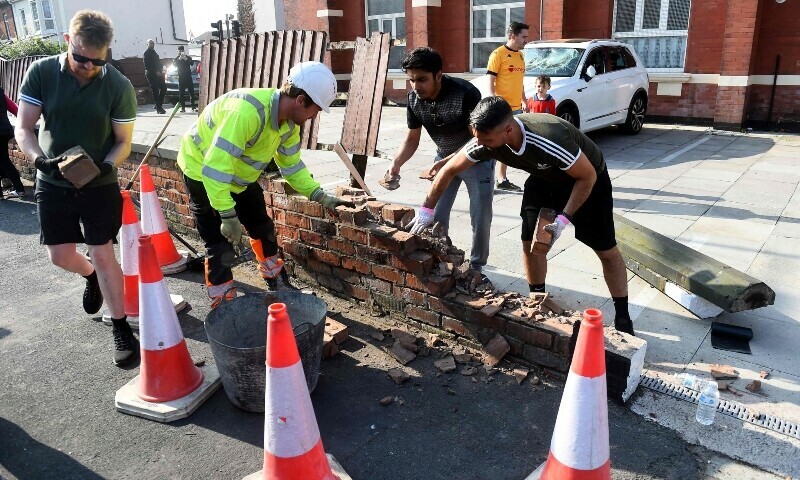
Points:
x=178 y=302
x=335 y=468
x=127 y=401
x=624 y=363
x=536 y=473
x=178 y=266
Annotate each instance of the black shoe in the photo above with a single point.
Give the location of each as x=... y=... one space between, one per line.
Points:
x=92 y=296
x=281 y=282
x=507 y=186
x=625 y=325
x=126 y=347
x=162 y=111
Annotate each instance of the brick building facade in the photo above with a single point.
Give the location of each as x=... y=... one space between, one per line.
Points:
x=722 y=54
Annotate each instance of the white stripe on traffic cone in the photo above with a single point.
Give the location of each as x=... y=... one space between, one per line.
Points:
x=155 y=225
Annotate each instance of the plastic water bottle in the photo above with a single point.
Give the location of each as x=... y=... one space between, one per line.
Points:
x=692 y=381
x=707 y=406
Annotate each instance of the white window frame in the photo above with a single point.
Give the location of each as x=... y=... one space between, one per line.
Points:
x=24 y=20
x=380 y=18
x=45 y=19
x=661 y=31
x=472 y=41
x=37 y=25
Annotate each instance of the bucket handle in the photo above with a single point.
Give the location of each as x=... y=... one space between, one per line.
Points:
x=225 y=293
x=304 y=324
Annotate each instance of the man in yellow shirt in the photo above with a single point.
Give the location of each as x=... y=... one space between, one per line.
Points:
x=506 y=69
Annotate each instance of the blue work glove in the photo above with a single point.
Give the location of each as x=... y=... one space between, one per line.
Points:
x=557 y=227
x=423 y=219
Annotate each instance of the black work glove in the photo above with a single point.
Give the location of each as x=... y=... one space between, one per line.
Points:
x=49 y=166
x=106 y=168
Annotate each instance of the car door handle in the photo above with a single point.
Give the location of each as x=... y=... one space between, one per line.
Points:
x=582 y=89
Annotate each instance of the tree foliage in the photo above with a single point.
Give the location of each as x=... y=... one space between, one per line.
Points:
x=30 y=47
x=246 y=16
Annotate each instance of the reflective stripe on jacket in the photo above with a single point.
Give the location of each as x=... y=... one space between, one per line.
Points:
x=233 y=141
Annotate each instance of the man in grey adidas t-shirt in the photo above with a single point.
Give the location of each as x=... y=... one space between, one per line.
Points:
x=442 y=105
x=567 y=173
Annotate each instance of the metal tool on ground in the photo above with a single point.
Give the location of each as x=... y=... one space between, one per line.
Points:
x=244 y=255
x=349 y=164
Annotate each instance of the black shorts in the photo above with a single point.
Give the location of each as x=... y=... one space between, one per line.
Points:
x=63 y=210
x=594 y=221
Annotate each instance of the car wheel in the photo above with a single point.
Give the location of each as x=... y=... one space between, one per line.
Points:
x=635 y=121
x=570 y=114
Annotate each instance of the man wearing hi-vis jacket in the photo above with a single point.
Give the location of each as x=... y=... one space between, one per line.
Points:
x=222 y=156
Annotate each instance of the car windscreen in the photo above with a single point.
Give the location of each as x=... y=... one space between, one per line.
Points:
x=551 y=61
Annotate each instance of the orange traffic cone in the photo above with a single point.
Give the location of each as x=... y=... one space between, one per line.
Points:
x=129 y=251
x=154 y=224
x=579 y=449
x=292 y=446
x=169 y=385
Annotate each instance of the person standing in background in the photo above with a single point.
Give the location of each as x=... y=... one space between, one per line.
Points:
x=7 y=169
x=506 y=70
x=155 y=75
x=183 y=63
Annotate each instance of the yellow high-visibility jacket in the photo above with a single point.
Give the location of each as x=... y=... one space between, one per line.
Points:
x=234 y=140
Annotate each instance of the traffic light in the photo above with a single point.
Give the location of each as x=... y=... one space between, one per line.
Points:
x=218 y=33
x=237 y=28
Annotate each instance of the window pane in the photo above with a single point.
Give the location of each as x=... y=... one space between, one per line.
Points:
x=652 y=12
x=382 y=7
x=659 y=52
x=678 y=17
x=479 y=24
x=49 y=25
x=387 y=26
x=499 y=26
x=34 y=12
x=626 y=15
x=481 y=52
x=396 y=55
x=46 y=9
x=401 y=27
x=518 y=15
x=372 y=26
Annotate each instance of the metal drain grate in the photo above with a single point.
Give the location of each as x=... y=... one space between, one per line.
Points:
x=725 y=407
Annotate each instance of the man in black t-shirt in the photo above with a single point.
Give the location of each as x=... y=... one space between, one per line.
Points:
x=183 y=63
x=442 y=105
x=567 y=173
x=154 y=72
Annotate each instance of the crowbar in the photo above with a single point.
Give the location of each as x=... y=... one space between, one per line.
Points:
x=337 y=147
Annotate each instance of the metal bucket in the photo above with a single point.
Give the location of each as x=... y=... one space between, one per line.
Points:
x=237 y=332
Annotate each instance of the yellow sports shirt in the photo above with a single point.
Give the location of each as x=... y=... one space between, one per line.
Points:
x=508 y=68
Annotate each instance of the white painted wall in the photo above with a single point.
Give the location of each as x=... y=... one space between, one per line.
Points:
x=134 y=22
x=269 y=15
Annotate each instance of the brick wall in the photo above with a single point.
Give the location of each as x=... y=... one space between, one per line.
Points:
x=8 y=30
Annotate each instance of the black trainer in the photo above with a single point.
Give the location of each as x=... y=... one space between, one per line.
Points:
x=623 y=324
x=281 y=282
x=126 y=347
x=92 y=296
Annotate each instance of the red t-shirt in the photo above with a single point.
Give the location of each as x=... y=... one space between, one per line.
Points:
x=548 y=105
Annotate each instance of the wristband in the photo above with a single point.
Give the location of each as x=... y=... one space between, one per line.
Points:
x=426 y=210
x=565 y=215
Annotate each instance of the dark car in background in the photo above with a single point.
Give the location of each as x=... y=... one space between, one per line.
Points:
x=171 y=79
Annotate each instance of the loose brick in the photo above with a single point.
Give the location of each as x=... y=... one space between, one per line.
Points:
x=357 y=235
x=356 y=291
x=342 y=190
x=410 y=296
x=331 y=283
x=345 y=275
x=337 y=330
x=312 y=238
x=352 y=216
x=341 y=246
x=529 y=335
x=423 y=315
x=446 y=307
x=395 y=213
x=417 y=262
x=389 y=274
x=434 y=284
x=281 y=186
x=356 y=264
x=375 y=207
x=460 y=328
x=323 y=227
x=297 y=220
x=544 y=357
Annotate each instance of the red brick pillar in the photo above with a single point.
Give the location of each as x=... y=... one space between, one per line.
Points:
x=344 y=21
x=738 y=49
x=553 y=20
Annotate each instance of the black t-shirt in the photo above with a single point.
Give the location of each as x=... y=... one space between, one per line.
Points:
x=446 y=119
x=184 y=66
x=550 y=146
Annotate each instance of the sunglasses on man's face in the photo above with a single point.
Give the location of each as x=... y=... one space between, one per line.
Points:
x=437 y=120
x=81 y=59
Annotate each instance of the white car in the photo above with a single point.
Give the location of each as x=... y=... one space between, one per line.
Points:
x=595 y=83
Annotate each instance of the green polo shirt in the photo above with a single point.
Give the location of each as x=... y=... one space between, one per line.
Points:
x=74 y=115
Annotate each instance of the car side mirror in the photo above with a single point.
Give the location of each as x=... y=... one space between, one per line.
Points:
x=590 y=73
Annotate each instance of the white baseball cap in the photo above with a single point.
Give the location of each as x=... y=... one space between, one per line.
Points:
x=317 y=80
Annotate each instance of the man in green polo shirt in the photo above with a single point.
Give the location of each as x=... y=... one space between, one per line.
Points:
x=82 y=103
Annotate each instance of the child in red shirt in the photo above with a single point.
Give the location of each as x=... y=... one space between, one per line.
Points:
x=541 y=101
